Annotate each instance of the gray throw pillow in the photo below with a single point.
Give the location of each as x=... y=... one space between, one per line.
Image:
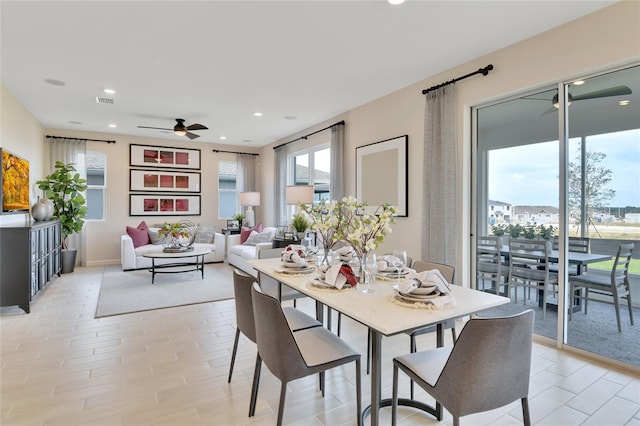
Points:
x=155 y=238
x=205 y=234
x=257 y=238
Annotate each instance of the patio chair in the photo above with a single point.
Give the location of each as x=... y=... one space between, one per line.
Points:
x=529 y=268
x=615 y=285
x=576 y=245
x=292 y=355
x=245 y=324
x=490 y=266
x=487 y=368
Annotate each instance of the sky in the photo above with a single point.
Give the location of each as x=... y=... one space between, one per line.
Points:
x=528 y=174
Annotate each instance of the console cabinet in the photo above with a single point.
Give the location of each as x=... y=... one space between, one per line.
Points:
x=30 y=257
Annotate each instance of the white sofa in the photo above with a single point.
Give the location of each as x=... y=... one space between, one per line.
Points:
x=131 y=258
x=239 y=254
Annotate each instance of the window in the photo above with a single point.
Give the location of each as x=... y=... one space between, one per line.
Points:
x=227 y=189
x=313 y=167
x=96 y=164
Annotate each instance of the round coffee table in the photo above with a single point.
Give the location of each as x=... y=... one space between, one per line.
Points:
x=177 y=267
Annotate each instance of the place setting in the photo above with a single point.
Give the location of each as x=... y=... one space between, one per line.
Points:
x=338 y=277
x=424 y=290
x=294 y=262
x=393 y=267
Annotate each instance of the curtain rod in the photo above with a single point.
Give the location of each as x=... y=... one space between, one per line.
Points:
x=79 y=139
x=484 y=71
x=234 y=152
x=310 y=134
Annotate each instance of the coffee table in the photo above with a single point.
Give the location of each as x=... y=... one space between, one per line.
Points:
x=177 y=267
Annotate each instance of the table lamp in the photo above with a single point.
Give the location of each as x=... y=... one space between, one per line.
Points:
x=250 y=199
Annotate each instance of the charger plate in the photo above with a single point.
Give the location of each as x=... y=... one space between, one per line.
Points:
x=295 y=271
x=318 y=285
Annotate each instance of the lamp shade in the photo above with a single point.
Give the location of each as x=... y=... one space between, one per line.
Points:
x=249 y=198
x=299 y=194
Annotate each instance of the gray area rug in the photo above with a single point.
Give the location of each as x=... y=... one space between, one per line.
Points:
x=131 y=291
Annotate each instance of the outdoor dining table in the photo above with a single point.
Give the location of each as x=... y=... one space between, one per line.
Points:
x=383 y=317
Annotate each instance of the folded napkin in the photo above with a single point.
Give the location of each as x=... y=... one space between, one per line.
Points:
x=292 y=256
x=428 y=279
x=346 y=251
x=337 y=275
x=297 y=248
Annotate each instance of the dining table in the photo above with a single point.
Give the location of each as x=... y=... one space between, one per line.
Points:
x=383 y=315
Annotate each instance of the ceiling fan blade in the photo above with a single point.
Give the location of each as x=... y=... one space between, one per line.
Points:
x=197 y=126
x=156 y=128
x=550 y=110
x=192 y=135
x=611 y=91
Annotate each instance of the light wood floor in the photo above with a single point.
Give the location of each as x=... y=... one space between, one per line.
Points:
x=61 y=366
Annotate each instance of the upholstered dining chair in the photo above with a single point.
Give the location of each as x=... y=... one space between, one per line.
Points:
x=245 y=324
x=292 y=355
x=487 y=368
x=615 y=285
x=529 y=268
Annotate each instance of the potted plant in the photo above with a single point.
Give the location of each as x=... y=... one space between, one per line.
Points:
x=64 y=188
x=300 y=224
x=529 y=232
x=240 y=218
x=175 y=233
x=499 y=231
x=514 y=230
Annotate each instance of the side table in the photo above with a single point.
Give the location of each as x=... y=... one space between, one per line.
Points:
x=282 y=243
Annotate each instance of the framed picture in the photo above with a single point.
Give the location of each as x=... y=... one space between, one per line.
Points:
x=163 y=181
x=164 y=156
x=382 y=173
x=164 y=205
x=233 y=224
x=288 y=235
x=280 y=230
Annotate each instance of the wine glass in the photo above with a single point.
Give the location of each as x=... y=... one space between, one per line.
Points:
x=370 y=271
x=399 y=261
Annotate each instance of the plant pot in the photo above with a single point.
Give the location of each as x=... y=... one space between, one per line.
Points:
x=69 y=260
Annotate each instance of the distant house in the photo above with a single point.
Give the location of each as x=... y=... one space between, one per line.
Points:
x=499 y=212
x=535 y=214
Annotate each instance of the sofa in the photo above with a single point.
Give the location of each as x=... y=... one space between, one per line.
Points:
x=131 y=255
x=240 y=253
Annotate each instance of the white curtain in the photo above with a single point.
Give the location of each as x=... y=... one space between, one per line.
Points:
x=280 y=170
x=440 y=198
x=246 y=172
x=71 y=151
x=337 y=162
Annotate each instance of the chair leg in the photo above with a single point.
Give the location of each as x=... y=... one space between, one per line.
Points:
x=525 y=412
x=616 y=304
x=339 y=323
x=254 y=386
x=233 y=354
x=456 y=421
x=586 y=299
x=413 y=348
x=321 y=375
x=630 y=308
x=359 y=393
x=453 y=335
x=283 y=394
x=368 y=351
x=394 y=396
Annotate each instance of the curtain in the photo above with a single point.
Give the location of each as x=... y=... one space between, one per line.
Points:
x=440 y=200
x=280 y=170
x=71 y=151
x=246 y=172
x=337 y=162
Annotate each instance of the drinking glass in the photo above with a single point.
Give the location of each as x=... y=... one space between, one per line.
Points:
x=399 y=261
x=369 y=271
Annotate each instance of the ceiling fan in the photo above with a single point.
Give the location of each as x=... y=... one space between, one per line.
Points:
x=604 y=93
x=180 y=129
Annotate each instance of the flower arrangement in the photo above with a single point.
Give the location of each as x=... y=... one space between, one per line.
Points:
x=364 y=231
x=173 y=232
x=324 y=221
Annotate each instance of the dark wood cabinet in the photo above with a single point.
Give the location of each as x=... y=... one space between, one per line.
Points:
x=29 y=260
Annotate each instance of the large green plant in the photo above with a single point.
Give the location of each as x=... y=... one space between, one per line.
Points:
x=64 y=188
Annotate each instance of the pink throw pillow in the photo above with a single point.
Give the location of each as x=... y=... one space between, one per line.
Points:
x=244 y=234
x=139 y=235
x=258 y=228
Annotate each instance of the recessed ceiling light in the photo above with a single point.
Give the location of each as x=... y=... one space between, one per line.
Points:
x=578 y=82
x=223 y=138
x=257 y=114
x=109 y=91
x=290 y=117
x=624 y=103
x=246 y=140
x=75 y=122
x=55 y=82
x=395 y=2
x=113 y=125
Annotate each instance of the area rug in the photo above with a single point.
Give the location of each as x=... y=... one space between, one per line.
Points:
x=123 y=292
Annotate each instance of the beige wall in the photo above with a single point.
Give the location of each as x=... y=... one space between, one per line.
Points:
x=605 y=39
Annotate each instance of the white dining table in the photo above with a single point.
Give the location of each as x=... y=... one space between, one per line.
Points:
x=383 y=317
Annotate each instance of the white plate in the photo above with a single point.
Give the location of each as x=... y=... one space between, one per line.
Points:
x=391 y=274
x=420 y=291
x=294 y=271
x=294 y=265
x=418 y=298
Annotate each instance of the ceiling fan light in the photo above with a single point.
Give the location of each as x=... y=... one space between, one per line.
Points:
x=180 y=132
x=556 y=104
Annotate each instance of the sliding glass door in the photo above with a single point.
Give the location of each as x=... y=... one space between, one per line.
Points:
x=517 y=157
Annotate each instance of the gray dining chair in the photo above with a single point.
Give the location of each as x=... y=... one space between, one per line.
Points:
x=615 y=284
x=490 y=265
x=245 y=323
x=292 y=355
x=487 y=368
x=529 y=268
x=575 y=245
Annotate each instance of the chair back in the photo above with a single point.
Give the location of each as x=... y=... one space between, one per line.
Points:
x=244 y=305
x=576 y=244
x=528 y=260
x=276 y=344
x=449 y=272
x=488 y=257
x=620 y=270
x=489 y=365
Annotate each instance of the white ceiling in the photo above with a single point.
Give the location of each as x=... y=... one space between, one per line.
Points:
x=217 y=62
